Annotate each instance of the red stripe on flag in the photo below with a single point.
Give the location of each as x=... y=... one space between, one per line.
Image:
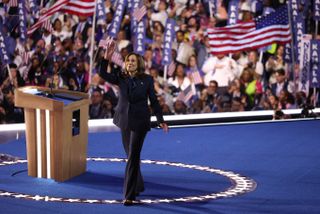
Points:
x=75 y=7
x=45 y=16
x=13 y=3
x=171 y=68
x=197 y=79
x=80 y=7
x=186 y=94
x=139 y=13
x=245 y=36
x=48 y=26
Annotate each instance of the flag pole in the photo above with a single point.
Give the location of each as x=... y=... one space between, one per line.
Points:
x=260 y=56
x=92 y=42
x=315 y=94
x=9 y=73
x=292 y=52
x=165 y=73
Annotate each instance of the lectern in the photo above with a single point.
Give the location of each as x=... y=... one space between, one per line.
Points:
x=56 y=131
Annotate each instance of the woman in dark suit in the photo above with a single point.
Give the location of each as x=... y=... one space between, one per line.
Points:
x=132 y=114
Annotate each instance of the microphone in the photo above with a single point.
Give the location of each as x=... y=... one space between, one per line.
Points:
x=51 y=84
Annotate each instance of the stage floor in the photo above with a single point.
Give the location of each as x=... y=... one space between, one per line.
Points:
x=270 y=167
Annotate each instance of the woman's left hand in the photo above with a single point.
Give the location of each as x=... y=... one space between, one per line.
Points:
x=164 y=127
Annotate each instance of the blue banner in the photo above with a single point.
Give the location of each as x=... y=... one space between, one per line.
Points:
x=100 y=12
x=316 y=10
x=306 y=7
x=169 y=34
x=315 y=64
x=140 y=34
x=117 y=19
x=135 y=4
x=257 y=6
x=294 y=9
x=288 y=53
x=33 y=6
x=3 y=50
x=304 y=64
x=138 y=28
x=233 y=12
x=22 y=20
x=299 y=30
x=130 y=3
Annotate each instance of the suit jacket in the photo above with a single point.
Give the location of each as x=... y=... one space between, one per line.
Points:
x=274 y=87
x=84 y=31
x=132 y=110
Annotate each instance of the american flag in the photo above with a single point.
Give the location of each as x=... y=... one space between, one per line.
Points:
x=197 y=79
x=116 y=56
x=25 y=56
x=117 y=59
x=13 y=3
x=76 y=7
x=48 y=26
x=171 y=68
x=105 y=43
x=139 y=13
x=80 y=7
x=268 y=29
x=186 y=94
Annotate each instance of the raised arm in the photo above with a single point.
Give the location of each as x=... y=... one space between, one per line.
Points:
x=113 y=76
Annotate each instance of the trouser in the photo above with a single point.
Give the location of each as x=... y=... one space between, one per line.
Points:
x=132 y=143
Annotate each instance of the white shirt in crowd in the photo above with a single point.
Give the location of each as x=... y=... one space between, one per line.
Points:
x=221 y=70
x=186 y=82
x=161 y=16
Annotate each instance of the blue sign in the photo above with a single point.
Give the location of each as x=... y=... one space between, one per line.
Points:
x=233 y=12
x=316 y=10
x=116 y=22
x=299 y=30
x=3 y=50
x=168 y=39
x=100 y=12
x=315 y=64
x=22 y=20
x=140 y=34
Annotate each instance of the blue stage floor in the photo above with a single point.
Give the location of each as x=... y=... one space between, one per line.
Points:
x=188 y=170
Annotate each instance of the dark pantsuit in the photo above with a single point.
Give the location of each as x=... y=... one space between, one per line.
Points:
x=132 y=116
x=132 y=143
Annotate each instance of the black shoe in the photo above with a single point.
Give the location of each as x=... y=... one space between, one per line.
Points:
x=128 y=202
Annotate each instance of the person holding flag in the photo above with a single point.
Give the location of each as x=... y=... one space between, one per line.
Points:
x=132 y=114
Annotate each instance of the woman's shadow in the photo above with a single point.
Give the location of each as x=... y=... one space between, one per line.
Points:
x=114 y=183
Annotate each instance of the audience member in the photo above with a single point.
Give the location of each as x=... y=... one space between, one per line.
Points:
x=58 y=56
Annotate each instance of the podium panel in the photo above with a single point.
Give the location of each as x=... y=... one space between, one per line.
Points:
x=56 y=131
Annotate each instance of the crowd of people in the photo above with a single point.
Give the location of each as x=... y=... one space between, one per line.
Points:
x=60 y=58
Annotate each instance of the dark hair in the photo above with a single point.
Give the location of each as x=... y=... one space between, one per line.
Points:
x=141 y=66
x=13 y=65
x=278 y=114
x=281 y=71
x=175 y=70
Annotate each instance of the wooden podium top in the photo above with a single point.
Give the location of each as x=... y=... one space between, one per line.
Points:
x=44 y=98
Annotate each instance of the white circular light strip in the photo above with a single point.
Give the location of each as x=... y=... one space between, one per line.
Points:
x=241 y=185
